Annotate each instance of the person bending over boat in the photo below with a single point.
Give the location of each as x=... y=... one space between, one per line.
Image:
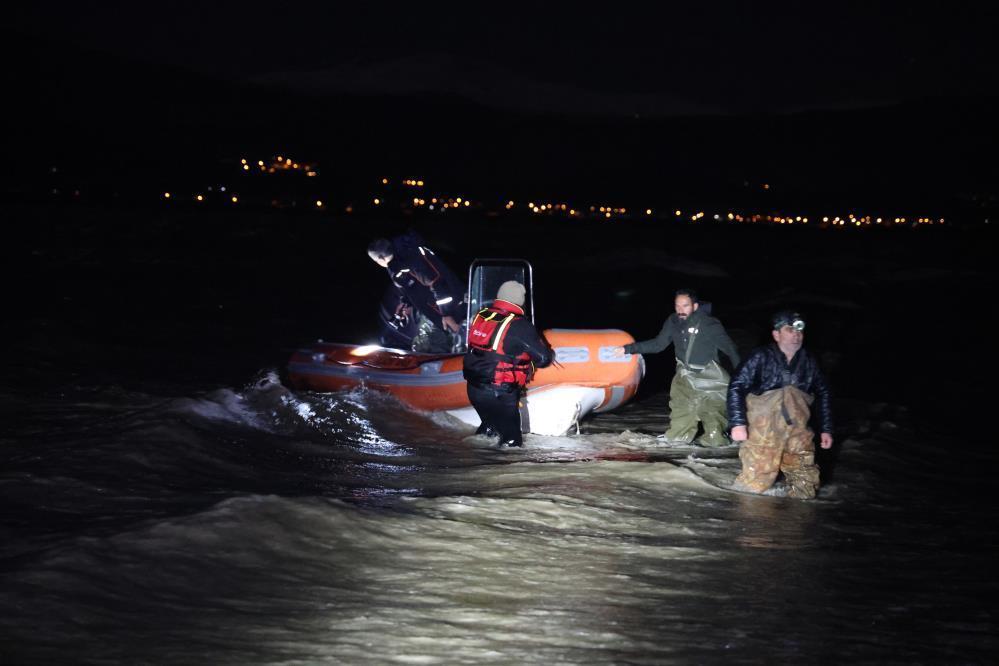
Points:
x=769 y=403
x=425 y=285
x=697 y=393
x=504 y=350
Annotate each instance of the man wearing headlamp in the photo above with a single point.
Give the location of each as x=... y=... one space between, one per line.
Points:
x=769 y=405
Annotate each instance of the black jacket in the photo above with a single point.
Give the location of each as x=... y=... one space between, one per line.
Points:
x=711 y=338
x=425 y=282
x=767 y=369
x=521 y=338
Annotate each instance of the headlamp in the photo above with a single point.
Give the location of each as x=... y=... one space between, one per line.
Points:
x=792 y=319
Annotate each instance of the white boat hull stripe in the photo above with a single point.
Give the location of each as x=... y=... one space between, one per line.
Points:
x=360 y=373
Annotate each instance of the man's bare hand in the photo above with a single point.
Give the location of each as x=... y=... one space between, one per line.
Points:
x=450 y=324
x=825 y=440
x=740 y=434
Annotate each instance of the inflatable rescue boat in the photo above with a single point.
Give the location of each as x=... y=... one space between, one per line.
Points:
x=585 y=377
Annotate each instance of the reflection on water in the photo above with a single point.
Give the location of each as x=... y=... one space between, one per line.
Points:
x=261 y=526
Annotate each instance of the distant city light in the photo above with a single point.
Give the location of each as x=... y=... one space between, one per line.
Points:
x=852 y=219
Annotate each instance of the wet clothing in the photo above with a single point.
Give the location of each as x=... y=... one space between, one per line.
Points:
x=424 y=281
x=766 y=369
x=773 y=398
x=499 y=410
x=779 y=444
x=697 y=393
x=698 y=396
x=496 y=377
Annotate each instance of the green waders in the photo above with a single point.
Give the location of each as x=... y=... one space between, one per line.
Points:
x=779 y=440
x=698 y=395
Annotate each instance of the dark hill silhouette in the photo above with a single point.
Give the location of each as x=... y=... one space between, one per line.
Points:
x=119 y=120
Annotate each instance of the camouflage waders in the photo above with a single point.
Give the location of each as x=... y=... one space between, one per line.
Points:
x=698 y=395
x=430 y=339
x=779 y=440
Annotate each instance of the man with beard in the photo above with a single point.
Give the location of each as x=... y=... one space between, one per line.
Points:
x=697 y=394
x=769 y=403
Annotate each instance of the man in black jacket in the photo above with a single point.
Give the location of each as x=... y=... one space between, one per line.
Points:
x=769 y=402
x=428 y=290
x=697 y=394
x=504 y=349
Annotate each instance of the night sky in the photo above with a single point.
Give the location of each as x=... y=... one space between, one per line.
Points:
x=690 y=58
x=845 y=105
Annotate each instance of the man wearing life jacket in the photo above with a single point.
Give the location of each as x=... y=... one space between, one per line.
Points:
x=424 y=285
x=697 y=393
x=769 y=405
x=504 y=350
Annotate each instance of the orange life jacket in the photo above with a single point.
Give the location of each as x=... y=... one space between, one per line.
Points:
x=486 y=336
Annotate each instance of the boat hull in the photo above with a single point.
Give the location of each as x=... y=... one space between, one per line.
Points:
x=586 y=377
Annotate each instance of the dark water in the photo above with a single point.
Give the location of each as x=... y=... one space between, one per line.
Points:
x=168 y=500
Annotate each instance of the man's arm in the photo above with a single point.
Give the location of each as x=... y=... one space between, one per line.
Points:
x=429 y=271
x=738 y=388
x=823 y=405
x=656 y=344
x=727 y=347
x=525 y=338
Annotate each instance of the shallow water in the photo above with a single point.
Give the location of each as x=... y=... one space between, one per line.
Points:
x=167 y=500
x=263 y=526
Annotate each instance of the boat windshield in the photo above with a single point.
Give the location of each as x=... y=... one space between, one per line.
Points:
x=485 y=277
